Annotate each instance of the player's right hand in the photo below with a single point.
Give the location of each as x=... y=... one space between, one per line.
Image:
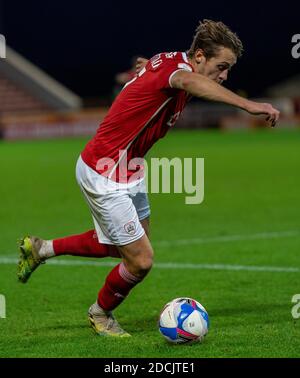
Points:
x=140 y=64
x=258 y=108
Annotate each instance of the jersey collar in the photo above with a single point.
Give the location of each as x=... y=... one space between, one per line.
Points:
x=185 y=58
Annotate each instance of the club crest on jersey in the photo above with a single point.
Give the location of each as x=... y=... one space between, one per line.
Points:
x=130 y=228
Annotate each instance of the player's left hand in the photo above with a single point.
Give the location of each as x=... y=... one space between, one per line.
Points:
x=257 y=108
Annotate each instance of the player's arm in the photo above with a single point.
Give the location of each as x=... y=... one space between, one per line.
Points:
x=201 y=86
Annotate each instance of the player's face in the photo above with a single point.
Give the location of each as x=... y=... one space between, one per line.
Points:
x=217 y=67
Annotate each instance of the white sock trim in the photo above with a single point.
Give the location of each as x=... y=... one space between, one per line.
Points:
x=47 y=250
x=127 y=276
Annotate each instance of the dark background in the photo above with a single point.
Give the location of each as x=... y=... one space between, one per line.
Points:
x=83 y=44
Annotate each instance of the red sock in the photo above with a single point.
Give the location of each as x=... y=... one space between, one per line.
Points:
x=86 y=244
x=117 y=286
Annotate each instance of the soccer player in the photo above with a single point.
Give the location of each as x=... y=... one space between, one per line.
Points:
x=147 y=107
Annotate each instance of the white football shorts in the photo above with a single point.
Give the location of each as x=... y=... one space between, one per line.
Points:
x=117 y=209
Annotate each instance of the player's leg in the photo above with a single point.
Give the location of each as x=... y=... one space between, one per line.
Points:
x=137 y=260
x=128 y=226
x=85 y=245
x=35 y=251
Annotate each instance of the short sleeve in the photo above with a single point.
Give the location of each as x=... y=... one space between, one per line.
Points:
x=180 y=67
x=164 y=67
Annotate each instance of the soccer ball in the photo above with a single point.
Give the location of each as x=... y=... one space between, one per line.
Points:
x=183 y=320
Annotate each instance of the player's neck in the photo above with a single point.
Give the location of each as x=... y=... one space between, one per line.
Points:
x=192 y=62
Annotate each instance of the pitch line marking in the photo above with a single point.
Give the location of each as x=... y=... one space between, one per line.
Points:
x=168 y=265
x=227 y=238
x=8 y=260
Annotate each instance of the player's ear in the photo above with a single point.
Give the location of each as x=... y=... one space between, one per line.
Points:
x=199 y=56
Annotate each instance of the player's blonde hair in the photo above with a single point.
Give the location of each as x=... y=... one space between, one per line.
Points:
x=211 y=35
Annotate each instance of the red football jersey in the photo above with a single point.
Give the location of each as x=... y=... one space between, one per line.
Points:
x=143 y=112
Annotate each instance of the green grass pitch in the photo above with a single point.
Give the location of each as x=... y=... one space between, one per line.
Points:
x=250 y=218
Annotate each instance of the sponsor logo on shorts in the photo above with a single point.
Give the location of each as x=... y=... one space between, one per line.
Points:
x=130 y=228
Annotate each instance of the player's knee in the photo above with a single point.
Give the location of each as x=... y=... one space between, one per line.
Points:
x=138 y=257
x=142 y=265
